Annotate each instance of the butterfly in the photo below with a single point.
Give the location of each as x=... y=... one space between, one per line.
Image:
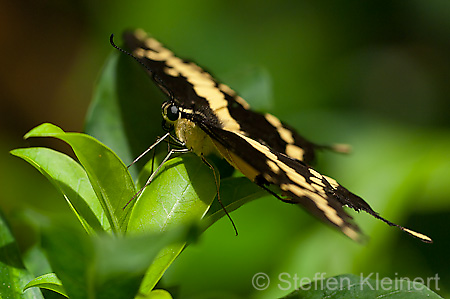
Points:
x=208 y=117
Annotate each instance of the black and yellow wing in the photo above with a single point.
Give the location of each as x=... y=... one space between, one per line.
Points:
x=300 y=184
x=268 y=152
x=182 y=80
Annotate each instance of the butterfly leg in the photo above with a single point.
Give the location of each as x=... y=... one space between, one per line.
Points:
x=218 y=193
x=263 y=185
x=150 y=148
x=150 y=179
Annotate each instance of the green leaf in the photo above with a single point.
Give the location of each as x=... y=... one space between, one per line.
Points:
x=36 y=261
x=47 y=281
x=108 y=175
x=234 y=192
x=353 y=286
x=72 y=181
x=155 y=294
x=13 y=274
x=181 y=193
x=125 y=113
x=102 y=266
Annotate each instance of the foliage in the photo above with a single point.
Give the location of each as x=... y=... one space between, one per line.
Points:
x=123 y=247
x=97 y=190
x=369 y=74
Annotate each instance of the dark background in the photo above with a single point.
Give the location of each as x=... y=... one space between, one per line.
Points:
x=374 y=74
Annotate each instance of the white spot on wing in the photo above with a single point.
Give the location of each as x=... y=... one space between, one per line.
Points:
x=418 y=235
x=294 y=151
x=317 y=181
x=332 y=182
x=315 y=173
x=273 y=166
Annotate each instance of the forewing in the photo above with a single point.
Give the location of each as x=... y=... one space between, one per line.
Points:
x=194 y=88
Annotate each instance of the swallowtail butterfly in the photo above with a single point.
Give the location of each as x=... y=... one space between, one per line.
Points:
x=209 y=117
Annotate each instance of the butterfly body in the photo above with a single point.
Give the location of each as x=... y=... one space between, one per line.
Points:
x=194 y=138
x=209 y=117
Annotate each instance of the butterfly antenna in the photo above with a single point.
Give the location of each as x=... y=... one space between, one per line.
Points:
x=111 y=41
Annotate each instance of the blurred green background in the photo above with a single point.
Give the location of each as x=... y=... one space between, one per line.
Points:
x=374 y=74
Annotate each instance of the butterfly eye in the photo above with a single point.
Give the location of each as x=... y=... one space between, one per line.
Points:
x=170 y=112
x=173 y=113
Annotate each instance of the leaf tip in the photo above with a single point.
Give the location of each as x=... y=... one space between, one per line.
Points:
x=43 y=130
